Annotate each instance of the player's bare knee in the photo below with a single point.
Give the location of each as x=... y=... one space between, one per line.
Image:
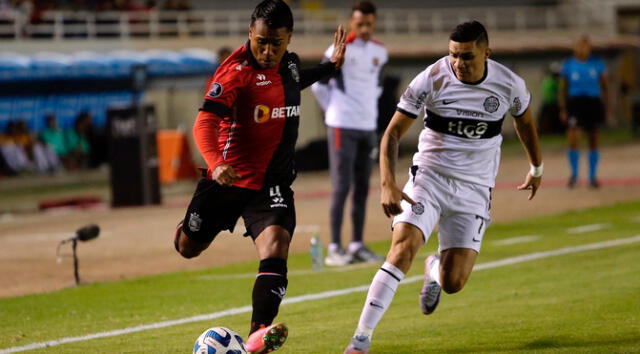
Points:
x=187 y=252
x=403 y=251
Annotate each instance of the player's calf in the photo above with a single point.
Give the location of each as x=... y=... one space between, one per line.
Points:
x=185 y=246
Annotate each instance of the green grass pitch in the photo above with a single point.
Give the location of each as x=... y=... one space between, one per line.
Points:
x=587 y=302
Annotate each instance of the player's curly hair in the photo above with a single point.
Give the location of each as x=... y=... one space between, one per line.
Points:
x=472 y=31
x=274 y=13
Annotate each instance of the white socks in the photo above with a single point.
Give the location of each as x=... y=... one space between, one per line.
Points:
x=381 y=292
x=434 y=271
x=354 y=246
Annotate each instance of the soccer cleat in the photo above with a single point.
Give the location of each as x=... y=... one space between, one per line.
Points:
x=338 y=258
x=176 y=238
x=594 y=184
x=358 y=345
x=363 y=254
x=267 y=339
x=430 y=293
x=572 y=182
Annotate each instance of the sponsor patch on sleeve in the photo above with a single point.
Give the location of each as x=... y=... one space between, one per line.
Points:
x=216 y=90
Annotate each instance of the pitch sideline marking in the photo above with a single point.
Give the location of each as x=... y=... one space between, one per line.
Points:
x=515 y=240
x=587 y=228
x=318 y=296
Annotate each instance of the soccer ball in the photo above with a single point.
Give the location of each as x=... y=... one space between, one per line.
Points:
x=219 y=340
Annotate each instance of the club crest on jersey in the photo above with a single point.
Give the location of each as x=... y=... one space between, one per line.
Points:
x=517 y=105
x=417 y=208
x=216 y=90
x=420 y=100
x=262 y=113
x=491 y=104
x=376 y=61
x=293 y=67
x=194 y=222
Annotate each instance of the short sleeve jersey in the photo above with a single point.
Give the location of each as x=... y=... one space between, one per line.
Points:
x=583 y=77
x=463 y=121
x=260 y=111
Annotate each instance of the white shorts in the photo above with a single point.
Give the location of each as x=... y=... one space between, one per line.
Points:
x=461 y=209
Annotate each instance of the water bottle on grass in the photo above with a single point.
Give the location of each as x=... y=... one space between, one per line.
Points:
x=317 y=262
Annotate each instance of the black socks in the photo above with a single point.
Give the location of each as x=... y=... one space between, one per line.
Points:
x=268 y=291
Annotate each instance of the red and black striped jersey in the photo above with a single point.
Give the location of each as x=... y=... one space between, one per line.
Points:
x=250 y=117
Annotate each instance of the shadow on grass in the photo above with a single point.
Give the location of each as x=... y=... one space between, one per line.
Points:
x=621 y=345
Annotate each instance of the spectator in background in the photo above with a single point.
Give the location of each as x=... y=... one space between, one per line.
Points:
x=78 y=143
x=583 y=101
x=184 y=5
x=22 y=152
x=170 y=5
x=53 y=136
x=13 y=155
x=549 y=119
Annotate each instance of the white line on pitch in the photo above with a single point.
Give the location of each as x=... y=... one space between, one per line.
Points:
x=293 y=272
x=318 y=296
x=587 y=228
x=514 y=240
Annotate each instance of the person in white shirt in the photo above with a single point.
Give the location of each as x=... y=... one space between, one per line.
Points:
x=465 y=97
x=350 y=102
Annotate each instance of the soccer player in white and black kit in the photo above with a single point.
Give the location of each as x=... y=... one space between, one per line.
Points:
x=465 y=96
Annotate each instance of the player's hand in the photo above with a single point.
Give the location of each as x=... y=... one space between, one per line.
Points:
x=390 y=198
x=531 y=183
x=225 y=175
x=337 y=58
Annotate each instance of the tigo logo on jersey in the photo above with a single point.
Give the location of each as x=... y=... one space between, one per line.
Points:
x=469 y=130
x=263 y=113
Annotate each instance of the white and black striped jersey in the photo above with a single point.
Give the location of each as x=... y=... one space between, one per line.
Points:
x=462 y=124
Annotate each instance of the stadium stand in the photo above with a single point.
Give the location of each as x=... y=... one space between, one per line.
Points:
x=32 y=87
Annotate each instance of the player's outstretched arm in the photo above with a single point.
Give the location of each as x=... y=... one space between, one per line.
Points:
x=309 y=76
x=528 y=135
x=339 y=47
x=391 y=195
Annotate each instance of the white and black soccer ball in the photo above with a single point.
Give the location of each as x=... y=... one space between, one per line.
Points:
x=219 y=340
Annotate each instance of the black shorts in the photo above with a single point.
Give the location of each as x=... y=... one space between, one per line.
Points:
x=585 y=112
x=214 y=208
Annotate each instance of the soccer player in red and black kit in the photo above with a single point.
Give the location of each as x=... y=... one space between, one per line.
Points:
x=246 y=131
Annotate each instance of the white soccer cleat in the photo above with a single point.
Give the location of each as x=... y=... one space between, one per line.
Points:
x=431 y=290
x=363 y=254
x=358 y=345
x=338 y=258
